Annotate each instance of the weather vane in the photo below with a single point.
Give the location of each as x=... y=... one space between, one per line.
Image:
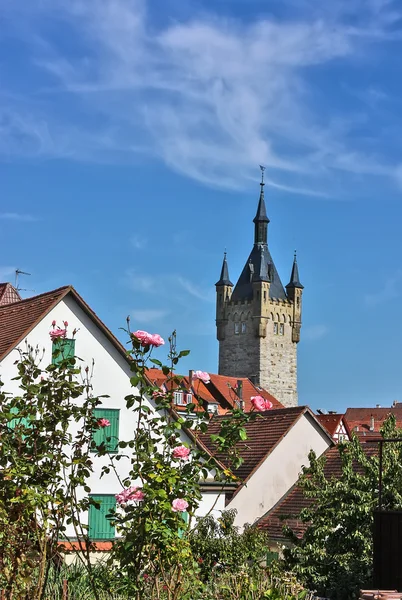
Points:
x=262 y=173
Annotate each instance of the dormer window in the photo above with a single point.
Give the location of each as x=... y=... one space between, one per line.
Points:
x=182 y=398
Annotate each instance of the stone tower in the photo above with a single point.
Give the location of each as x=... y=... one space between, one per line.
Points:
x=258 y=321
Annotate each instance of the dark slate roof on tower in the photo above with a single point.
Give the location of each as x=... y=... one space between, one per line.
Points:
x=294 y=276
x=259 y=267
x=261 y=215
x=224 y=278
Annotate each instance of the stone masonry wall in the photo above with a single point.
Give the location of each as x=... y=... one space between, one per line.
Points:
x=270 y=361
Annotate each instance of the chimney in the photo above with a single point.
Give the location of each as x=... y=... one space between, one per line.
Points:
x=239 y=391
x=372 y=423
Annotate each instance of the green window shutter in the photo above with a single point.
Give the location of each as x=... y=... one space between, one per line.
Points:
x=184 y=516
x=62 y=349
x=24 y=421
x=100 y=527
x=112 y=431
x=271 y=557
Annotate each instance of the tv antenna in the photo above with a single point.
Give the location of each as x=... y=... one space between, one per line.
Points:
x=18 y=272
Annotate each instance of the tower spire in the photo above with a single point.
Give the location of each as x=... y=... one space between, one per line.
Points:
x=224 y=278
x=261 y=220
x=294 y=276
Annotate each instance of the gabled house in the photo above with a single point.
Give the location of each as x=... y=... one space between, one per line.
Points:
x=336 y=425
x=277 y=447
x=30 y=320
x=286 y=512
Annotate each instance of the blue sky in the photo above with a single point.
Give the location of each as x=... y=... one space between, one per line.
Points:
x=130 y=137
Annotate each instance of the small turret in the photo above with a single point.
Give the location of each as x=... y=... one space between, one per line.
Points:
x=224 y=278
x=223 y=294
x=294 y=290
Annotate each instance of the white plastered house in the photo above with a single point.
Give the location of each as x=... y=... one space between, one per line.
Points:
x=277 y=447
x=30 y=320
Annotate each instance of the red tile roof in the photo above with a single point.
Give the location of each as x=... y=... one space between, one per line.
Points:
x=360 y=420
x=287 y=510
x=227 y=388
x=95 y=546
x=8 y=294
x=331 y=422
x=262 y=436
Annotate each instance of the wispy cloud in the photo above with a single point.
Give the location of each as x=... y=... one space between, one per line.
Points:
x=211 y=97
x=148 y=315
x=6 y=273
x=313 y=333
x=166 y=285
x=138 y=241
x=390 y=290
x=10 y=216
x=195 y=290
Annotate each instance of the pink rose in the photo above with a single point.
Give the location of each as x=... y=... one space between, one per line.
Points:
x=58 y=333
x=65 y=323
x=260 y=403
x=148 y=339
x=158 y=394
x=202 y=375
x=133 y=493
x=179 y=505
x=157 y=340
x=53 y=323
x=103 y=422
x=181 y=452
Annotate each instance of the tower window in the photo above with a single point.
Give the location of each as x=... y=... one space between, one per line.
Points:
x=243 y=328
x=276 y=328
x=265 y=296
x=237 y=328
x=298 y=301
x=281 y=329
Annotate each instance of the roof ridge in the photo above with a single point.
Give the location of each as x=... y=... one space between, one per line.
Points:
x=44 y=294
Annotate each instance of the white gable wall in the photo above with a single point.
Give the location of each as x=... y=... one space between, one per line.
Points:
x=111 y=377
x=279 y=471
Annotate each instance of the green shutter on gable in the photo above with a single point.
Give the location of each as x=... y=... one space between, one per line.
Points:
x=100 y=527
x=62 y=348
x=102 y=434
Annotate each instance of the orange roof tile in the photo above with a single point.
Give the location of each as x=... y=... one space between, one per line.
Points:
x=68 y=546
x=227 y=388
x=330 y=422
